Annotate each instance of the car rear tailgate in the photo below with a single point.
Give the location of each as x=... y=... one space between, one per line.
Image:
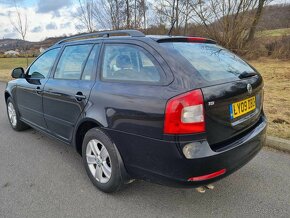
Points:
x=220 y=125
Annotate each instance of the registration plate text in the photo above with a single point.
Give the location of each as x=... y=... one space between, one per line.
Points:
x=242 y=107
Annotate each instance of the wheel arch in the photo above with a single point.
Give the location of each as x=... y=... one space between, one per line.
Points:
x=82 y=128
x=7 y=95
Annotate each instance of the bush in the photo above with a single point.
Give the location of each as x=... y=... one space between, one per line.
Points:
x=263 y=47
x=253 y=50
x=279 y=49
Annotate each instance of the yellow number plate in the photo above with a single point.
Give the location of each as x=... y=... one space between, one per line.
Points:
x=242 y=107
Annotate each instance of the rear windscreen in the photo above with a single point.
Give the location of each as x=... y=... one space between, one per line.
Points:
x=213 y=62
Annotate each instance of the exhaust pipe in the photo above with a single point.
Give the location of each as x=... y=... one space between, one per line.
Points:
x=210 y=186
x=202 y=189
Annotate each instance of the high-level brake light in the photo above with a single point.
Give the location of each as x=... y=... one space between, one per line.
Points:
x=196 y=39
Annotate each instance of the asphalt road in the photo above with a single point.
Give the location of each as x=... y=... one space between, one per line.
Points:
x=40 y=177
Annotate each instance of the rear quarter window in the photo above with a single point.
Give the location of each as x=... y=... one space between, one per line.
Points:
x=212 y=62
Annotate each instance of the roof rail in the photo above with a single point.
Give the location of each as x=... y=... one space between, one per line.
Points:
x=132 y=33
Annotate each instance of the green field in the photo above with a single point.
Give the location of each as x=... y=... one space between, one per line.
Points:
x=8 y=64
x=276 y=74
x=273 y=33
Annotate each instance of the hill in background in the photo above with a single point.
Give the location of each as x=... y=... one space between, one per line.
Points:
x=275 y=17
x=14 y=44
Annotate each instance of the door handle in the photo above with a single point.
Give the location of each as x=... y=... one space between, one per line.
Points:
x=79 y=96
x=38 y=90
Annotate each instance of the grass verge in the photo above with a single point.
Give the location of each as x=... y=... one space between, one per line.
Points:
x=273 y=33
x=276 y=74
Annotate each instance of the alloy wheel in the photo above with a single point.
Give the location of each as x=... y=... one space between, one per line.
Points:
x=12 y=114
x=99 y=161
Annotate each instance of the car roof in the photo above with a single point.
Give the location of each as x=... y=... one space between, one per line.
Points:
x=129 y=34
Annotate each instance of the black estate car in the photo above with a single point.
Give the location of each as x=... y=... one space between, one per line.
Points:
x=174 y=110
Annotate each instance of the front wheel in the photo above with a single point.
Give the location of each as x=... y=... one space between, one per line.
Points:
x=100 y=157
x=13 y=116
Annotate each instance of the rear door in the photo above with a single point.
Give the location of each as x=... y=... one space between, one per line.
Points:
x=67 y=92
x=132 y=91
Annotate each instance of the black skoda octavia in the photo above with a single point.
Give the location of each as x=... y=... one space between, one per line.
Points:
x=179 y=111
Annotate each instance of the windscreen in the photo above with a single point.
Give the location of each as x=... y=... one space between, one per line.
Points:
x=213 y=62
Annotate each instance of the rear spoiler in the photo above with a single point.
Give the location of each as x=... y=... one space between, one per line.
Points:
x=187 y=39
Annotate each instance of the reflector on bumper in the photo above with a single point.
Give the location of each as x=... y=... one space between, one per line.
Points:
x=208 y=176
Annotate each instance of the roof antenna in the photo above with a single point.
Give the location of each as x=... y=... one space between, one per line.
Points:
x=171 y=28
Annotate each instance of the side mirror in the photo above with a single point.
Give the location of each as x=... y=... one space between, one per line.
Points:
x=18 y=73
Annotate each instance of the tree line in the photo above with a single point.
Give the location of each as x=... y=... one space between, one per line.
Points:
x=232 y=23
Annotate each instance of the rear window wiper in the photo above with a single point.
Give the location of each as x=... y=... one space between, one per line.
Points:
x=246 y=74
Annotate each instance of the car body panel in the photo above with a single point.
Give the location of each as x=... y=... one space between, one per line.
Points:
x=219 y=126
x=162 y=161
x=29 y=101
x=61 y=109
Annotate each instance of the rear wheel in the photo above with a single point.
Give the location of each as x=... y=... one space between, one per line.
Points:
x=13 y=116
x=100 y=157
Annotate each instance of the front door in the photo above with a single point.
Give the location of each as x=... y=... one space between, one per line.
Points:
x=29 y=90
x=67 y=92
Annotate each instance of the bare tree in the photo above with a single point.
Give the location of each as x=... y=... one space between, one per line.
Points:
x=20 y=24
x=140 y=10
x=166 y=11
x=175 y=11
x=128 y=13
x=187 y=11
x=115 y=13
x=144 y=9
x=257 y=17
x=101 y=14
x=111 y=14
x=230 y=22
x=85 y=14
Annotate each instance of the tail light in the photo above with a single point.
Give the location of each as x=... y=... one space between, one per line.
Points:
x=185 y=114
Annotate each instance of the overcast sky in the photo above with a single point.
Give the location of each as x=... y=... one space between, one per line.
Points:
x=46 y=18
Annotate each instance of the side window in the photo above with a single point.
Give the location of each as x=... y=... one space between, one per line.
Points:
x=72 y=62
x=129 y=63
x=90 y=65
x=42 y=66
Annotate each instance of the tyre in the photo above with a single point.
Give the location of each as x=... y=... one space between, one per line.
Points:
x=13 y=116
x=102 y=161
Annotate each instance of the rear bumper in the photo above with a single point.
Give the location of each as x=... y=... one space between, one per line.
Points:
x=163 y=162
